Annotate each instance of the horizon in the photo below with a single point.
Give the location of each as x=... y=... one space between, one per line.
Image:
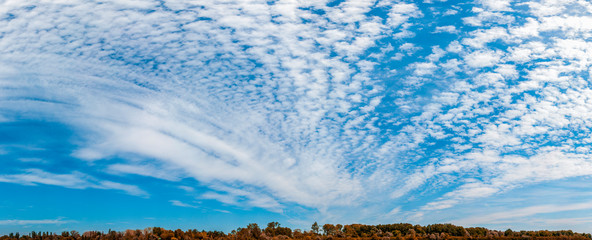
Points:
x=320 y=229
x=220 y=113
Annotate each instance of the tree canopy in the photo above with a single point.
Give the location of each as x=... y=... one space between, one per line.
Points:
x=274 y=230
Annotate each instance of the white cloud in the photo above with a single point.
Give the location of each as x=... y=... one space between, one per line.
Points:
x=146 y=170
x=409 y=47
x=480 y=59
x=129 y=189
x=187 y=188
x=484 y=18
x=34 y=176
x=450 y=12
x=268 y=104
x=482 y=37
x=497 y=5
x=401 y=12
x=524 y=212
x=218 y=135
x=439 y=205
x=35 y=160
x=424 y=68
x=514 y=124
x=454 y=47
x=75 y=180
x=530 y=29
x=33 y=222
x=446 y=29
x=546 y=8
x=564 y=221
x=507 y=70
x=437 y=53
x=181 y=204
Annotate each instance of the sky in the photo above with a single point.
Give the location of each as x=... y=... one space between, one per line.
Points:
x=212 y=114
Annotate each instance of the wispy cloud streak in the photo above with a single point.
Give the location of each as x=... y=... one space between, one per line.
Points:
x=32 y=222
x=75 y=180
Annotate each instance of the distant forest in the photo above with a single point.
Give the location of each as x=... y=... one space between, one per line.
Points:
x=273 y=231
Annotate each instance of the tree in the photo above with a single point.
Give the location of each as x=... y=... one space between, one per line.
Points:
x=271 y=229
x=251 y=232
x=179 y=234
x=329 y=229
x=315 y=228
x=350 y=231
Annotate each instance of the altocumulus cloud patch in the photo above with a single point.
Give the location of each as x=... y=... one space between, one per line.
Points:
x=366 y=111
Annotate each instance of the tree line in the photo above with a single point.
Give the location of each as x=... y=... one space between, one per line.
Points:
x=274 y=231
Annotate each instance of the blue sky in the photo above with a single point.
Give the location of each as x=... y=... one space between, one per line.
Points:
x=213 y=114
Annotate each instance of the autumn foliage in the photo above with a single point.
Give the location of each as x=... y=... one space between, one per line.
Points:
x=273 y=231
